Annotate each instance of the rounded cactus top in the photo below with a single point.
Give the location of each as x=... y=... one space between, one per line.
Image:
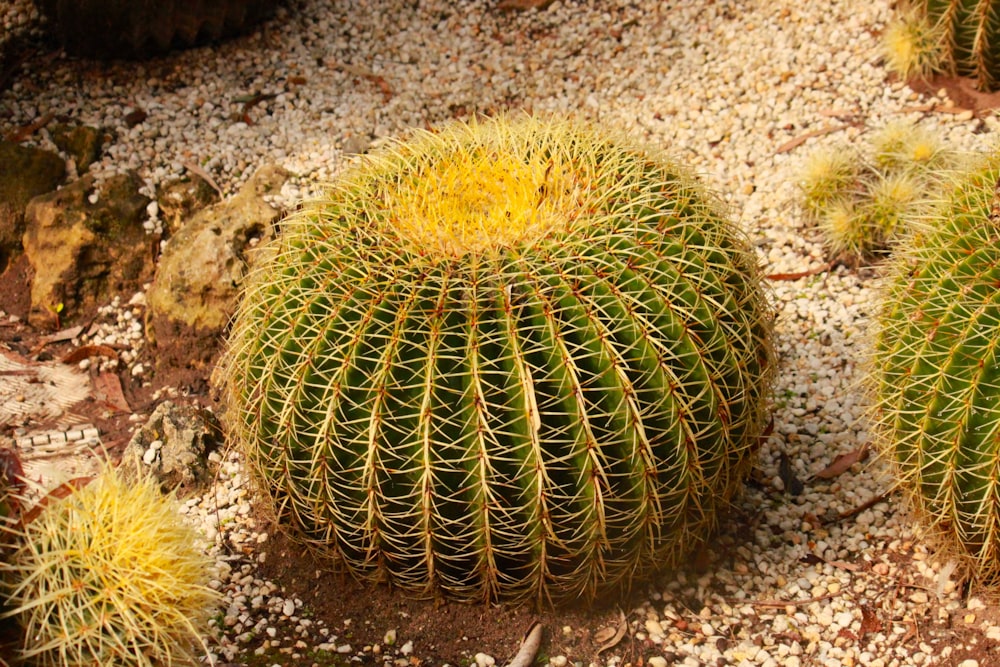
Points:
x=498 y=184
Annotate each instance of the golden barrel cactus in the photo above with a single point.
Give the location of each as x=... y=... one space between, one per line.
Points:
x=510 y=359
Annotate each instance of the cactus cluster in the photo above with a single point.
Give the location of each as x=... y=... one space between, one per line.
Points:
x=861 y=198
x=936 y=372
x=957 y=37
x=109 y=576
x=511 y=359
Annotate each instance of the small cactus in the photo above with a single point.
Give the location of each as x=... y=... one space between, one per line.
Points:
x=936 y=373
x=905 y=147
x=514 y=359
x=828 y=177
x=109 y=575
x=863 y=199
x=914 y=47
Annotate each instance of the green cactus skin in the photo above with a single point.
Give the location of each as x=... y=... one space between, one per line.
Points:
x=937 y=374
x=970 y=30
x=514 y=359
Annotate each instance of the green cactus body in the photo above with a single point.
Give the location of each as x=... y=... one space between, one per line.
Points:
x=505 y=360
x=969 y=30
x=938 y=374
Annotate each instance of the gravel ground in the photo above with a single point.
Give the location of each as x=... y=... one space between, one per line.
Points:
x=720 y=84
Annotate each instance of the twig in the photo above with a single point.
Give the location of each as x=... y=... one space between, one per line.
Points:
x=801 y=139
x=794 y=603
x=529 y=647
x=859 y=509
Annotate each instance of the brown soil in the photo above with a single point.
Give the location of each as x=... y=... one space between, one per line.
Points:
x=961 y=90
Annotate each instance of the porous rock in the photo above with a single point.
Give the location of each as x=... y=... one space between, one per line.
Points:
x=85 y=243
x=25 y=173
x=82 y=143
x=179 y=200
x=198 y=278
x=173 y=446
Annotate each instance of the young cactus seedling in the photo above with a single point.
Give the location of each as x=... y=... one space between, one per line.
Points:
x=828 y=176
x=914 y=46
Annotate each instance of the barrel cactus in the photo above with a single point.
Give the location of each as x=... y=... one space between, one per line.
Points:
x=946 y=36
x=936 y=373
x=143 y=28
x=512 y=359
x=109 y=575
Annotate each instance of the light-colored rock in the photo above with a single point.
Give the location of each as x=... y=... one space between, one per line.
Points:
x=197 y=283
x=82 y=253
x=174 y=446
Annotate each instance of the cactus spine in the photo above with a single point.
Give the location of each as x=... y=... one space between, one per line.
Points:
x=937 y=373
x=950 y=36
x=510 y=359
x=109 y=576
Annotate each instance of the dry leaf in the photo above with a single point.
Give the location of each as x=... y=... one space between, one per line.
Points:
x=843 y=463
x=58 y=493
x=798 y=141
x=87 y=351
x=793 y=485
x=58 y=337
x=108 y=388
x=869 y=621
x=203 y=175
x=25 y=131
x=609 y=637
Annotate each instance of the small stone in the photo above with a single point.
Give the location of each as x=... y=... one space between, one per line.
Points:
x=969 y=663
x=288 y=608
x=484 y=660
x=657 y=661
x=654 y=628
x=407 y=648
x=390 y=637
x=562 y=661
x=344 y=649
